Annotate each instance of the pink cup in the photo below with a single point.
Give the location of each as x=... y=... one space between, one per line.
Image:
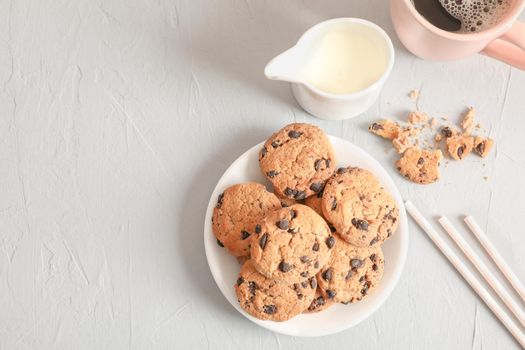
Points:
x=504 y=41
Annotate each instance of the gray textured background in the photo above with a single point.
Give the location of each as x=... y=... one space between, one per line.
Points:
x=118 y=118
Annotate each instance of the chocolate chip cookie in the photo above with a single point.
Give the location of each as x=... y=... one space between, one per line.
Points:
x=237 y=214
x=352 y=273
x=420 y=166
x=292 y=245
x=361 y=210
x=268 y=299
x=297 y=160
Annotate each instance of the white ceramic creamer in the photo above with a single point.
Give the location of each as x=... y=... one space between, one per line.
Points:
x=337 y=68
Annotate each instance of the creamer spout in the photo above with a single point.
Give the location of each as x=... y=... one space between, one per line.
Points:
x=285 y=67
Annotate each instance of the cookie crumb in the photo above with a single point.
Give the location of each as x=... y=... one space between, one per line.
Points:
x=401 y=143
x=468 y=120
x=417 y=117
x=486 y=178
x=414 y=95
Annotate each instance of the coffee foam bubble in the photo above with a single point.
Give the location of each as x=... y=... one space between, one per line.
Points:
x=476 y=15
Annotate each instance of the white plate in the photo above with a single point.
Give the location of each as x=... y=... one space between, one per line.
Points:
x=225 y=268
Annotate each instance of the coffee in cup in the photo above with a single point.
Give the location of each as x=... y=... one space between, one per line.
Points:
x=463 y=16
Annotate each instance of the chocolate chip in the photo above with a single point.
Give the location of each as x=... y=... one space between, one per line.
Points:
x=262 y=240
x=282 y=224
x=304 y=274
x=330 y=242
x=294 y=134
x=332 y=229
x=342 y=170
x=327 y=275
x=269 y=309
x=284 y=205
x=284 y=267
x=304 y=259
x=334 y=204
x=313 y=283
x=220 y=243
x=244 y=234
x=349 y=275
x=356 y=263
x=373 y=241
x=319 y=301
x=219 y=200
x=480 y=148
x=420 y=161
x=446 y=131
x=240 y=280
x=389 y=231
x=304 y=284
x=263 y=152
x=318 y=164
x=375 y=267
x=252 y=286
x=376 y=126
x=360 y=224
x=364 y=290
x=300 y=195
x=317 y=187
x=315 y=247
x=330 y=293
x=460 y=151
x=362 y=279
x=272 y=174
x=316 y=265
x=328 y=162
x=257 y=228
x=293 y=214
x=275 y=144
x=373 y=257
x=288 y=192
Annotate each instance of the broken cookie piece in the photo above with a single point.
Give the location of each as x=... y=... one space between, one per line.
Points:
x=482 y=146
x=468 y=120
x=459 y=146
x=403 y=140
x=417 y=117
x=420 y=166
x=385 y=128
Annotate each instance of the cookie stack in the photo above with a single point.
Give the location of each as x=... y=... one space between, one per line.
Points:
x=316 y=240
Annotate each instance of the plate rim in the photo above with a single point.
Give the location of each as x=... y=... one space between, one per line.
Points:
x=277 y=326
